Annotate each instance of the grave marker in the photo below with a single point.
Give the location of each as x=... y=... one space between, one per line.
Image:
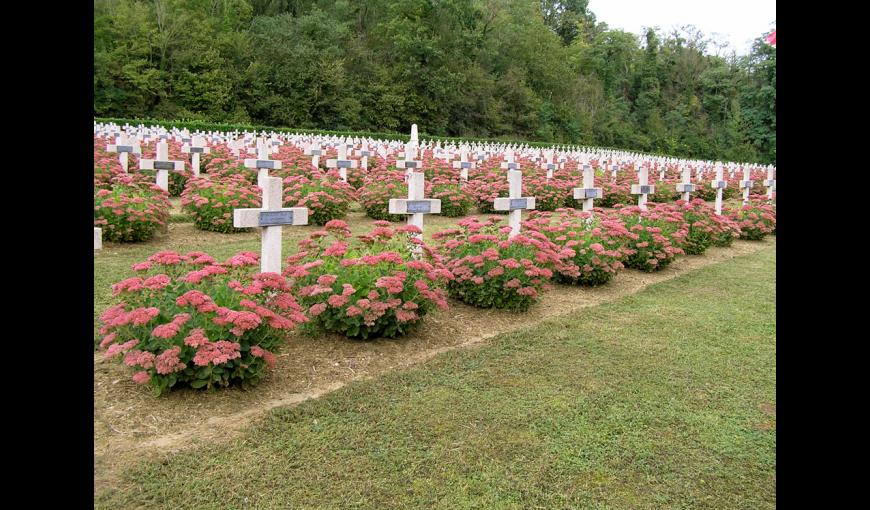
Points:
x=588 y=193
x=719 y=184
x=686 y=187
x=415 y=205
x=195 y=148
x=342 y=163
x=270 y=219
x=515 y=203
x=262 y=163
x=643 y=188
x=124 y=145
x=746 y=184
x=98 y=238
x=770 y=182
x=163 y=165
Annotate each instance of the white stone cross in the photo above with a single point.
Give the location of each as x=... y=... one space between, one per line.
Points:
x=770 y=182
x=515 y=203
x=262 y=163
x=588 y=193
x=643 y=187
x=124 y=145
x=195 y=148
x=463 y=164
x=415 y=205
x=746 y=184
x=271 y=217
x=719 y=184
x=686 y=187
x=509 y=163
x=409 y=164
x=98 y=238
x=548 y=164
x=162 y=165
x=342 y=163
x=364 y=153
x=315 y=152
x=613 y=169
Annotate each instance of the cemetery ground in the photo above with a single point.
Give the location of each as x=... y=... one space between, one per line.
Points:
x=663 y=397
x=131 y=425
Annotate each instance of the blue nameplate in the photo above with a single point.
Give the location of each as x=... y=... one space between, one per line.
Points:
x=512 y=166
x=365 y=154
x=719 y=184
x=419 y=206
x=551 y=166
x=273 y=218
x=196 y=149
x=465 y=164
x=124 y=148
x=518 y=203
x=592 y=193
x=316 y=152
x=410 y=164
x=344 y=163
x=265 y=163
x=644 y=190
x=164 y=165
x=748 y=184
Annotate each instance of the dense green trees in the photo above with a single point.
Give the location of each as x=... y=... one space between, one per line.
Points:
x=533 y=69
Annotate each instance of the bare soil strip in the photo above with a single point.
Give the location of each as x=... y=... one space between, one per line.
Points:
x=130 y=424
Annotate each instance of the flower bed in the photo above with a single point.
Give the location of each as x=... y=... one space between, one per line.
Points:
x=368 y=286
x=327 y=198
x=595 y=243
x=706 y=228
x=375 y=195
x=130 y=212
x=491 y=271
x=190 y=320
x=456 y=201
x=211 y=203
x=755 y=220
x=655 y=236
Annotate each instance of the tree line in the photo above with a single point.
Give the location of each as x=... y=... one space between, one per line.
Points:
x=542 y=70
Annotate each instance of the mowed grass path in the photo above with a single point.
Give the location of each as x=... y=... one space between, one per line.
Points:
x=665 y=399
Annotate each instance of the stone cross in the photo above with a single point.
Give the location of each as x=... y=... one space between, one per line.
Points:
x=515 y=203
x=271 y=217
x=463 y=164
x=315 y=152
x=262 y=163
x=686 y=187
x=162 y=165
x=98 y=238
x=364 y=153
x=195 y=148
x=746 y=184
x=415 y=205
x=643 y=187
x=719 y=184
x=409 y=164
x=588 y=193
x=124 y=145
x=342 y=163
x=770 y=182
x=509 y=163
x=613 y=169
x=548 y=165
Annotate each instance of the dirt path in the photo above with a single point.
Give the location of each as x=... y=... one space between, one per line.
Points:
x=131 y=425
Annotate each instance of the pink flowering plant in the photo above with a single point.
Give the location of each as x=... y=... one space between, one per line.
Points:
x=706 y=228
x=456 y=201
x=375 y=195
x=618 y=192
x=492 y=271
x=655 y=236
x=367 y=286
x=593 y=244
x=755 y=220
x=211 y=202
x=327 y=197
x=188 y=319
x=129 y=213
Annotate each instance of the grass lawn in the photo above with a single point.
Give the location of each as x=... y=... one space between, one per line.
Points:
x=664 y=399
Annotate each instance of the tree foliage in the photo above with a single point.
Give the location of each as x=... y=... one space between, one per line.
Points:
x=541 y=70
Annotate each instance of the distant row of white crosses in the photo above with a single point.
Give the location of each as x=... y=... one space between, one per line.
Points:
x=272 y=216
x=243 y=144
